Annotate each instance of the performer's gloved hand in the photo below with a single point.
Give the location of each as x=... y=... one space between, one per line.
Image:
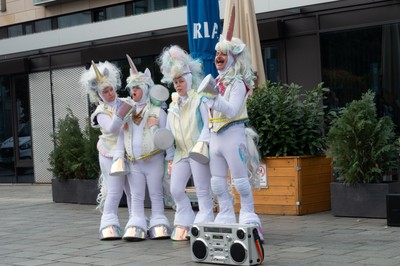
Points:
x=209 y=101
x=116 y=157
x=208 y=95
x=118 y=153
x=169 y=156
x=169 y=168
x=152 y=121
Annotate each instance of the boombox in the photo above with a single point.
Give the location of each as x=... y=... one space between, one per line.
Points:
x=234 y=244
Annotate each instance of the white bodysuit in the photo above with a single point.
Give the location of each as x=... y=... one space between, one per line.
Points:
x=188 y=121
x=228 y=150
x=146 y=165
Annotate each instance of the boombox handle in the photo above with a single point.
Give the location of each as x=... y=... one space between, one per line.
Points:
x=260 y=248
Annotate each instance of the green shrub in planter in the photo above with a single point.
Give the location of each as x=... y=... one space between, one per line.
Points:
x=91 y=155
x=363 y=147
x=289 y=122
x=75 y=153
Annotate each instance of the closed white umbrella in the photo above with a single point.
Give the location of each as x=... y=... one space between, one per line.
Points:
x=246 y=29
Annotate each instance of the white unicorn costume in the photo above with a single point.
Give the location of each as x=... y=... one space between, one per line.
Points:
x=188 y=121
x=146 y=161
x=231 y=143
x=94 y=81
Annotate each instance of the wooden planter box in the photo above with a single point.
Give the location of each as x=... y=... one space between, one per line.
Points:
x=297 y=185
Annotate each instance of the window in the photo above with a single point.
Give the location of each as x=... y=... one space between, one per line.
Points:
x=144 y=6
x=99 y=15
x=42 y=25
x=28 y=28
x=355 y=61
x=271 y=63
x=161 y=4
x=140 y=7
x=115 y=11
x=16 y=165
x=74 y=19
x=181 y=3
x=107 y=13
x=15 y=30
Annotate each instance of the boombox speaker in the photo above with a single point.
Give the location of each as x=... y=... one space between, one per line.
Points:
x=232 y=244
x=393 y=209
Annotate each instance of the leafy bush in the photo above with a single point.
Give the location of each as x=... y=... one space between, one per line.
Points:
x=289 y=122
x=363 y=147
x=91 y=155
x=75 y=153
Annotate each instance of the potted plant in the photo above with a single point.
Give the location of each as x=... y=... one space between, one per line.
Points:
x=74 y=162
x=290 y=124
x=364 y=149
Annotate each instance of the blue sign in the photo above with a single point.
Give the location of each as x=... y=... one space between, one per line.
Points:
x=204 y=28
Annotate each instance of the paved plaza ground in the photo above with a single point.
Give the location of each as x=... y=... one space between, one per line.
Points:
x=36 y=231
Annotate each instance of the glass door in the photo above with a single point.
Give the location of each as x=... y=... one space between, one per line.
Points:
x=16 y=163
x=7 y=174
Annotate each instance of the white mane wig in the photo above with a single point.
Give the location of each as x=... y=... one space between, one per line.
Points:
x=99 y=76
x=241 y=67
x=174 y=62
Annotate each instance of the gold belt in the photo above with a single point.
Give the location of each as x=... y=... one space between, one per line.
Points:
x=218 y=120
x=143 y=157
x=221 y=120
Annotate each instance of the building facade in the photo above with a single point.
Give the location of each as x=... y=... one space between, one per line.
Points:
x=350 y=45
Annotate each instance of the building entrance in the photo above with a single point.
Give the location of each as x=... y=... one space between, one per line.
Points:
x=16 y=164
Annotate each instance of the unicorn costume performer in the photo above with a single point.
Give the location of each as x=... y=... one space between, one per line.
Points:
x=188 y=121
x=146 y=161
x=101 y=82
x=229 y=143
